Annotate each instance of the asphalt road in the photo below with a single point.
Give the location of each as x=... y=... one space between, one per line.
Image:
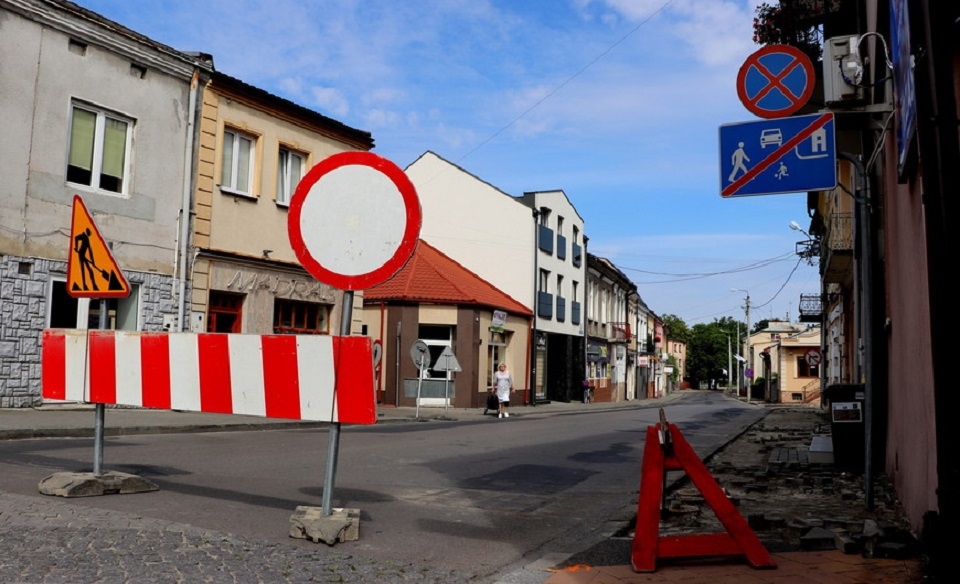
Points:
x=479 y=498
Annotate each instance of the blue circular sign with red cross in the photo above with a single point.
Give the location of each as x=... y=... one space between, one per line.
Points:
x=775 y=81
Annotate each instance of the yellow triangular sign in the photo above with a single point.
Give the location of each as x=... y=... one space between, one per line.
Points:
x=91 y=270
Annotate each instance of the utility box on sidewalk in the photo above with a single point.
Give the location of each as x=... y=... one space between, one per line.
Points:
x=847 y=424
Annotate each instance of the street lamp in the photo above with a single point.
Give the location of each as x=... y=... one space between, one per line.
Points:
x=796 y=227
x=749 y=348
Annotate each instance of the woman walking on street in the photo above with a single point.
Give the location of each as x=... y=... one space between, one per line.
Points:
x=503 y=384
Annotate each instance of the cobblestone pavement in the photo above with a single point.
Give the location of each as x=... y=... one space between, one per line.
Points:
x=769 y=474
x=809 y=515
x=48 y=541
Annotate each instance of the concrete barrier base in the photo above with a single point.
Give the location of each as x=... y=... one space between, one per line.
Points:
x=310 y=523
x=87 y=484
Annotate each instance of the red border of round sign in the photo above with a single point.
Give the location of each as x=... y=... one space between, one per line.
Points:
x=411 y=231
x=753 y=59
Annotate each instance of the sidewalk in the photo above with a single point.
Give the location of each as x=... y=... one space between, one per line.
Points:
x=77 y=420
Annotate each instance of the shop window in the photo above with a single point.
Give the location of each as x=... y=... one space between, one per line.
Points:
x=225 y=312
x=295 y=317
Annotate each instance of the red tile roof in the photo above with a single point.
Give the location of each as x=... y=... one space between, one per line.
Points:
x=432 y=276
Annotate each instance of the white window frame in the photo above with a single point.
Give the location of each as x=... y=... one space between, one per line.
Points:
x=229 y=175
x=96 y=169
x=287 y=179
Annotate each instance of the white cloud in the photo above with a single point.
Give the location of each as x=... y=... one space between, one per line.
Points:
x=331 y=100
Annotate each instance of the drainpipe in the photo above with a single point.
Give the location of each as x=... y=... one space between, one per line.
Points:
x=864 y=230
x=583 y=311
x=536 y=299
x=183 y=245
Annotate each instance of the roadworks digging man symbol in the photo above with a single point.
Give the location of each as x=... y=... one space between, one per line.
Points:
x=92 y=270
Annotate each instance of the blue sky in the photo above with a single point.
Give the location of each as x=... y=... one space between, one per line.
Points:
x=617 y=102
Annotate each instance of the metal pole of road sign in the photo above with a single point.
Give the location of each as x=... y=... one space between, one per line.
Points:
x=419 y=386
x=334 y=442
x=99 y=409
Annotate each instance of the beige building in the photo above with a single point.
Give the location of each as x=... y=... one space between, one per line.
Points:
x=254 y=149
x=786 y=358
x=799 y=365
x=677 y=352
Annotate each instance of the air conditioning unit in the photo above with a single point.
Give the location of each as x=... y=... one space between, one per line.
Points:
x=842 y=72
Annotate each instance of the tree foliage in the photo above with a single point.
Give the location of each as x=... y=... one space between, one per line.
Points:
x=709 y=347
x=793 y=22
x=676 y=329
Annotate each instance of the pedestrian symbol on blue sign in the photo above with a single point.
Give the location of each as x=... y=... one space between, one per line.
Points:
x=784 y=155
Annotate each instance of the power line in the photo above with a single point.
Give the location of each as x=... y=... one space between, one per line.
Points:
x=566 y=82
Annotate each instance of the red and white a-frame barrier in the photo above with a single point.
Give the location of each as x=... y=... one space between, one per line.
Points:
x=667 y=449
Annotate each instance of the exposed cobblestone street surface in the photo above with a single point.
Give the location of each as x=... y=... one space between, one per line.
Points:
x=47 y=540
x=784 y=495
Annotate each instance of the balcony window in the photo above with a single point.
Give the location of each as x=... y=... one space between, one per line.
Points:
x=561 y=309
x=575 y=312
x=577 y=255
x=561 y=247
x=545 y=236
x=545 y=305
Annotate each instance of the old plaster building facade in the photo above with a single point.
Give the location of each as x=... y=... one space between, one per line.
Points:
x=254 y=149
x=93 y=109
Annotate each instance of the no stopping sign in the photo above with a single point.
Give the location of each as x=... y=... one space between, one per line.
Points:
x=354 y=220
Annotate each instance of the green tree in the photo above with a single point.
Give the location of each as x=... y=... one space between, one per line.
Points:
x=676 y=328
x=708 y=350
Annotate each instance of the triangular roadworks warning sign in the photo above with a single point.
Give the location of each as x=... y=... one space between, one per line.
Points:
x=92 y=272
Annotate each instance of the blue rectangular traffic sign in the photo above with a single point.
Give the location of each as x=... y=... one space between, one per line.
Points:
x=782 y=155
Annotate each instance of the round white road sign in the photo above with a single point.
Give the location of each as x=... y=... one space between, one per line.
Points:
x=354 y=220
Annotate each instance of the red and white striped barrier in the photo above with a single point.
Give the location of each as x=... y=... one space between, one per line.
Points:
x=300 y=377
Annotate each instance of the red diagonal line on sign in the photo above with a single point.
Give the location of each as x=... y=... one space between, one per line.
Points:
x=775 y=155
x=775 y=82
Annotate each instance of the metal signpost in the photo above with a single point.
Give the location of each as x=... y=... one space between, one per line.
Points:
x=92 y=272
x=420 y=354
x=447 y=362
x=354 y=221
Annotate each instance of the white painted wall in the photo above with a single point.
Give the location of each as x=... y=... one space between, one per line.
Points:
x=486 y=230
x=560 y=206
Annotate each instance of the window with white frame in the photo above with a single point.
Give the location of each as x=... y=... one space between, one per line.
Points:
x=559 y=285
x=289 y=172
x=99 y=154
x=236 y=164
